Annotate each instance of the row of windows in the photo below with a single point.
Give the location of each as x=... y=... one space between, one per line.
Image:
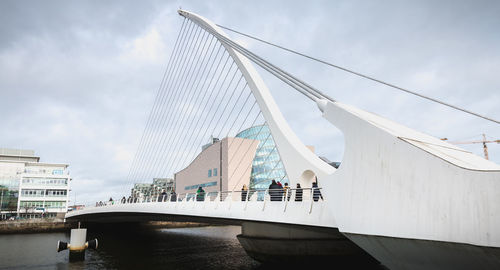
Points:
x=45 y=181
x=49 y=204
x=43 y=193
x=212 y=172
x=209 y=184
x=45 y=171
x=45 y=215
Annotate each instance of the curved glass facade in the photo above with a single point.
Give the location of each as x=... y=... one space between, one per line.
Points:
x=266 y=164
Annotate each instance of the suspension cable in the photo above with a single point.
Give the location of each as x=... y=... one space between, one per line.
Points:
x=361 y=75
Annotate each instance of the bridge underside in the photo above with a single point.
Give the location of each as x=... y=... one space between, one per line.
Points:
x=262 y=240
x=132 y=217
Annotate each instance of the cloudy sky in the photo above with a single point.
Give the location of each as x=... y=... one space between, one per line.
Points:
x=78 y=79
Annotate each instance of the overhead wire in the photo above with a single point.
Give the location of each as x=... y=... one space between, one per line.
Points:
x=205 y=75
x=217 y=74
x=173 y=59
x=362 y=75
x=146 y=166
x=171 y=166
x=150 y=136
x=190 y=134
x=209 y=123
x=176 y=126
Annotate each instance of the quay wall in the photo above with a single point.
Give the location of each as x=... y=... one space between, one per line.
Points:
x=58 y=225
x=34 y=226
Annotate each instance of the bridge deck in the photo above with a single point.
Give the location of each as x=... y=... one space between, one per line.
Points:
x=230 y=210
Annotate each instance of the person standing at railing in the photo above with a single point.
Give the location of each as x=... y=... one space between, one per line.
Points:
x=316 y=192
x=124 y=200
x=162 y=196
x=173 y=196
x=275 y=191
x=281 y=191
x=200 y=194
x=287 y=192
x=244 y=192
x=298 y=193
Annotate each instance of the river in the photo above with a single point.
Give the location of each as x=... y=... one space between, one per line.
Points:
x=212 y=247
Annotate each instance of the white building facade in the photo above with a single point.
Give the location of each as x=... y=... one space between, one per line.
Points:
x=35 y=189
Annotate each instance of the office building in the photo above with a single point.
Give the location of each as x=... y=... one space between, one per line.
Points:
x=30 y=188
x=221 y=165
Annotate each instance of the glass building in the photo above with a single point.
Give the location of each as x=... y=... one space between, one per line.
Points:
x=267 y=164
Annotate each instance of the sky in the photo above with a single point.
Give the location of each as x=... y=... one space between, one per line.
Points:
x=78 y=78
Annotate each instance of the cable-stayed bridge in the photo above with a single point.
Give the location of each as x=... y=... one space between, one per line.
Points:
x=410 y=200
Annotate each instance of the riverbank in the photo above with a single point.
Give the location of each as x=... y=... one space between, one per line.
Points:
x=37 y=225
x=46 y=225
x=171 y=225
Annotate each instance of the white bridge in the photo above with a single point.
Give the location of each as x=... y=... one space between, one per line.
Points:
x=410 y=200
x=232 y=207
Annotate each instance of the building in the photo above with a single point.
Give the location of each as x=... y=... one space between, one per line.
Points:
x=30 y=188
x=222 y=165
x=266 y=164
x=250 y=158
x=163 y=184
x=141 y=190
x=144 y=190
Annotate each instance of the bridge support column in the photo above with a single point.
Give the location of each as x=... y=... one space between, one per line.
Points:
x=278 y=243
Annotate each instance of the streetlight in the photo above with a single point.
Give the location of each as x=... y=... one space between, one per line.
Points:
x=1 y=203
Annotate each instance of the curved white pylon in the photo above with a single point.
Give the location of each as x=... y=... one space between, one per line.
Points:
x=300 y=163
x=393 y=181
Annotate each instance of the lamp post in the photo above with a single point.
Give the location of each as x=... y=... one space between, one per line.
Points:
x=1 y=203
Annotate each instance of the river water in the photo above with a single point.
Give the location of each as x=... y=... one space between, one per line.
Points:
x=212 y=247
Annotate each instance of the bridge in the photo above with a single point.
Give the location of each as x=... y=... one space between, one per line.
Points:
x=407 y=199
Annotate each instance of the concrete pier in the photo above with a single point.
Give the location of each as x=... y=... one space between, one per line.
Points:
x=267 y=242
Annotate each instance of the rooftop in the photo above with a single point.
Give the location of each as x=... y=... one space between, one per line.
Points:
x=18 y=155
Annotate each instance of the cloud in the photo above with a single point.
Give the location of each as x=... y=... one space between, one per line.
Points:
x=148 y=48
x=78 y=79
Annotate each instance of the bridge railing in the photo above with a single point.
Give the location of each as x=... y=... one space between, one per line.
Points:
x=251 y=195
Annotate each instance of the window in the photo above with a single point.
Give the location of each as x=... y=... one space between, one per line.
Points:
x=215 y=171
x=210 y=173
x=209 y=184
x=57 y=171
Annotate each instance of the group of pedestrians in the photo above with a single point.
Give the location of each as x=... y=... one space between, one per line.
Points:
x=278 y=192
x=163 y=197
x=101 y=203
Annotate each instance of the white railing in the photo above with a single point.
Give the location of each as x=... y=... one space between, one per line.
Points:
x=304 y=195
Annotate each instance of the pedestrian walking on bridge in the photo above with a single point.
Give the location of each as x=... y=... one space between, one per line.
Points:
x=200 y=194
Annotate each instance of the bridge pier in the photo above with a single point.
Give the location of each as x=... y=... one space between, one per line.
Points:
x=278 y=243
